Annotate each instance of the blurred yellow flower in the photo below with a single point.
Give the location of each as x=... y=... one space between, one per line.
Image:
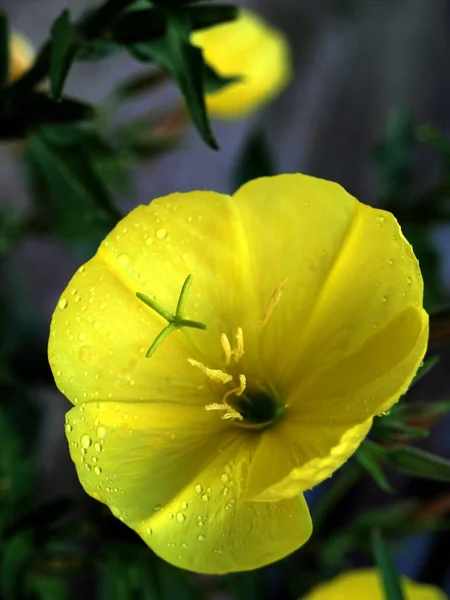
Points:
x=248 y=47
x=366 y=583
x=21 y=56
x=313 y=307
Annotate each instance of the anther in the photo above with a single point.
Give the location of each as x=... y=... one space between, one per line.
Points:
x=230 y=413
x=226 y=346
x=216 y=375
x=238 y=390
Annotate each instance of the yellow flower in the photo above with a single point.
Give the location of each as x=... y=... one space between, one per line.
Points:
x=366 y=583
x=313 y=307
x=250 y=48
x=21 y=56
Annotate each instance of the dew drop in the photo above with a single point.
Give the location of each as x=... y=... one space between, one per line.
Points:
x=97 y=447
x=391 y=262
x=123 y=260
x=384 y=298
x=149 y=241
x=97 y=325
x=200 y=538
x=170 y=516
x=68 y=427
x=181 y=518
x=62 y=304
x=409 y=280
x=224 y=477
x=161 y=233
x=97 y=470
x=205 y=498
x=101 y=432
x=198 y=489
x=184 y=505
x=85 y=441
x=88 y=467
x=149 y=531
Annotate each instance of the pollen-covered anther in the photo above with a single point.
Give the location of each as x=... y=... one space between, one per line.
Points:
x=230 y=412
x=238 y=351
x=273 y=302
x=216 y=375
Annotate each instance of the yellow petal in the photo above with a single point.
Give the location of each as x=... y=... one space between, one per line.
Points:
x=293 y=458
x=250 y=48
x=365 y=583
x=135 y=457
x=209 y=527
x=352 y=293
x=21 y=56
x=100 y=331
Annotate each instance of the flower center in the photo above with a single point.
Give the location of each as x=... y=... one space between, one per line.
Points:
x=252 y=408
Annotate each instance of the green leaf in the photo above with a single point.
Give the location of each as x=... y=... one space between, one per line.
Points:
x=139 y=26
x=205 y=16
x=16 y=555
x=46 y=587
x=390 y=578
x=393 y=159
x=79 y=199
x=425 y=368
x=367 y=457
x=21 y=112
x=255 y=160
x=64 y=45
x=4 y=49
x=215 y=82
x=413 y=461
x=185 y=64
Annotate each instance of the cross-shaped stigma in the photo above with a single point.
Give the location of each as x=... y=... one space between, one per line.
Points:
x=175 y=321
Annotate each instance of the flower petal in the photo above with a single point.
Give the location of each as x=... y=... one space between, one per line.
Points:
x=209 y=527
x=100 y=331
x=302 y=460
x=351 y=290
x=250 y=48
x=365 y=583
x=136 y=456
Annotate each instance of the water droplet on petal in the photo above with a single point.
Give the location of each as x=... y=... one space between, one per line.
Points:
x=97 y=470
x=149 y=531
x=409 y=280
x=68 y=427
x=149 y=241
x=161 y=233
x=85 y=441
x=198 y=489
x=201 y=538
x=224 y=477
x=205 y=498
x=101 y=432
x=123 y=260
x=384 y=298
x=62 y=304
x=97 y=325
x=184 y=505
x=181 y=517
x=97 y=447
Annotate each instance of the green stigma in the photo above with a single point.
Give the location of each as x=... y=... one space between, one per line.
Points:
x=175 y=321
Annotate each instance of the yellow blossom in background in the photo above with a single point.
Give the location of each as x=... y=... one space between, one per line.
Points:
x=365 y=584
x=21 y=56
x=248 y=47
x=315 y=324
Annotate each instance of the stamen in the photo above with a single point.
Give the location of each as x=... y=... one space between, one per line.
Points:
x=238 y=390
x=226 y=347
x=216 y=375
x=230 y=413
x=275 y=298
x=238 y=353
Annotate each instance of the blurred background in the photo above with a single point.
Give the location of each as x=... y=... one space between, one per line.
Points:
x=367 y=74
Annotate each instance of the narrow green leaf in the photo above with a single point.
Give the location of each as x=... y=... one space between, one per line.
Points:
x=389 y=576
x=255 y=160
x=64 y=46
x=17 y=552
x=184 y=62
x=366 y=456
x=413 y=461
x=215 y=82
x=46 y=587
x=4 y=49
x=24 y=111
x=205 y=15
x=425 y=368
